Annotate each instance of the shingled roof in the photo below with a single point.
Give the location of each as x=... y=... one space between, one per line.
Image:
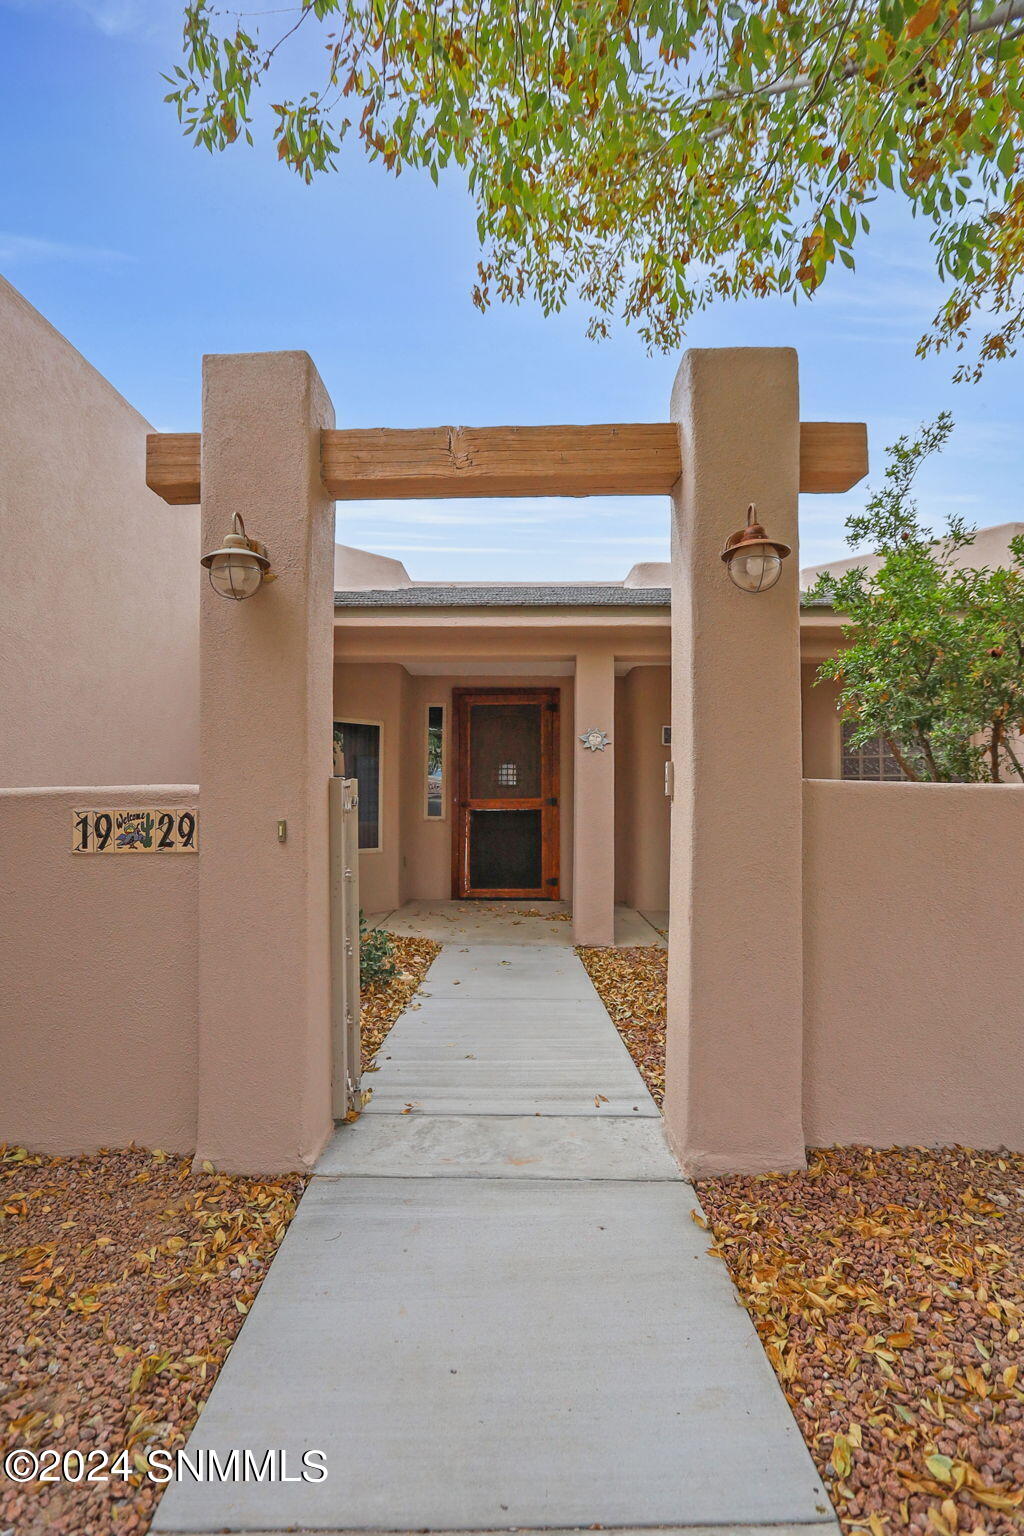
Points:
x=550 y=595
x=520 y=595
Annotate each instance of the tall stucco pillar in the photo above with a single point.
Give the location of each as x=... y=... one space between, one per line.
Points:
x=265 y=757
x=593 y=862
x=733 y=1072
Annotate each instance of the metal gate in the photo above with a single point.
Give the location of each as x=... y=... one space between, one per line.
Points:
x=346 y=1047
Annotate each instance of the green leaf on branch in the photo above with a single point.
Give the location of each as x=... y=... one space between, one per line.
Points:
x=653 y=157
x=933 y=655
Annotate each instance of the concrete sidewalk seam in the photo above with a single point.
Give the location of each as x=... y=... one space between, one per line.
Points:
x=792 y=1528
x=523 y=1334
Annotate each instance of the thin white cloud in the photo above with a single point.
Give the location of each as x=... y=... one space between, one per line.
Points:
x=496 y=512
x=820 y=551
x=658 y=540
x=111 y=17
x=875 y=302
x=868 y=337
x=19 y=250
x=443 y=549
x=411 y=514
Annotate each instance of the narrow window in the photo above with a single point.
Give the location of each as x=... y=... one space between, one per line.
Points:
x=435 y=762
x=357 y=756
x=871 y=760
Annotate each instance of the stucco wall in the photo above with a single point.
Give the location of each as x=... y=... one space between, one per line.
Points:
x=623 y=739
x=376 y=693
x=821 y=727
x=426 y=845
x=98 y=626
x=913 y=932
x=98 y=955
x=642 y=809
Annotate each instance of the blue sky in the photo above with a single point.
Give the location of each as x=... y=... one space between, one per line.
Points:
x=147 y=253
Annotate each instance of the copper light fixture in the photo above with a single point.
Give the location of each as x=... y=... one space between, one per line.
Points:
x=754 y=560
x=240 y=567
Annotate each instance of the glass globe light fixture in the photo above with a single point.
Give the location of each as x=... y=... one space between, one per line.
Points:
x=753 y=559
x=240 y=567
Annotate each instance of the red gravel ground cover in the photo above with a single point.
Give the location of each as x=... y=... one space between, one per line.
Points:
x=124 y=1278
x=888 y=1290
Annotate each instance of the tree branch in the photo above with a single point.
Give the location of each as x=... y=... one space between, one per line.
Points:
x=929 y=757
x=1010 y=10
x=1014 y=759
x=904 y=766
x=993 y=751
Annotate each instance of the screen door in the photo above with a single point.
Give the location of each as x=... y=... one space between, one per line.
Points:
x=506 y=829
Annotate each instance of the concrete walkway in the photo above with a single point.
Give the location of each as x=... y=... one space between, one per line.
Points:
x=494 y=1311
x=512 y=922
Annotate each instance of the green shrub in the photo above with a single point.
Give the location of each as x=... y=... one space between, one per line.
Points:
x=934 y=660
x=377 y=962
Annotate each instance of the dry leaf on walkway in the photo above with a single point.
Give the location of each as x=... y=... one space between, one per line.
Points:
x=381 y=1005
x=631 y=984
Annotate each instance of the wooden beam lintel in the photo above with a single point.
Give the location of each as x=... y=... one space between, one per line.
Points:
x=435 y=463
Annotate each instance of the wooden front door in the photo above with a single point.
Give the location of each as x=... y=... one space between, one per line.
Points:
x=506 y=821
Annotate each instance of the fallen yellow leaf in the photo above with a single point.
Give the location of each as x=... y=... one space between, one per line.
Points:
x=842 y=1460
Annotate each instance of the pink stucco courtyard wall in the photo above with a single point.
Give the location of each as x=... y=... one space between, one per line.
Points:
x=99 y=689
x=913 y=931
x=862 y=935
x=911 y=1030
x=99 y=622
x=98 y=958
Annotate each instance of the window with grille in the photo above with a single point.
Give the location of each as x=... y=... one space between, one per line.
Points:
x=870 y=760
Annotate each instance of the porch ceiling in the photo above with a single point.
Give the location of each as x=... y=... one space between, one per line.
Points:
x=493 y=666
x=441 y=639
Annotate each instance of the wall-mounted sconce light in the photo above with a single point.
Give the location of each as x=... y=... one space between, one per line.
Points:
x=754 y=560
x=239 y=568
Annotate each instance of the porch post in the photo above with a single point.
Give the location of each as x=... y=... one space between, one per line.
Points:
x=593 y=861
x=734 y=1038
x=265 y=757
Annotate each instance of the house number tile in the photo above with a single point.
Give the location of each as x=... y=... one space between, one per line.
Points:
x=157 y=829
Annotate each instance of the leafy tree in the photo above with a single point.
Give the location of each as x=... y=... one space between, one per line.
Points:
x=935 y=661
x=652 y=156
